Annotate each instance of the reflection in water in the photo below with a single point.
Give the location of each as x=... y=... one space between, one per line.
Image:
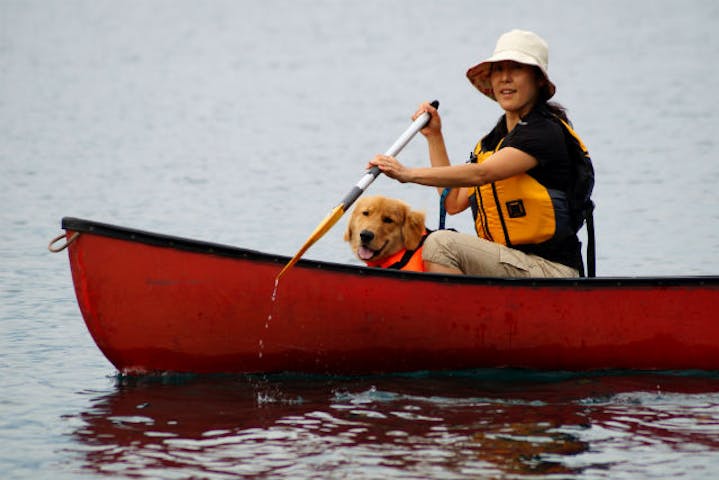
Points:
x=459 y=425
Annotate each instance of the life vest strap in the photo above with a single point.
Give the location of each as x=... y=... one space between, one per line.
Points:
x=408 y=254
x=591 y=244
x=442 y=208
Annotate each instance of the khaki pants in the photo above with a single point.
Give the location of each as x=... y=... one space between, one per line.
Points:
x=477 y=256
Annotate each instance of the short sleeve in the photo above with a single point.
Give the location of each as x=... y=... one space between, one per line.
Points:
x=543 y=139
x=540 y=138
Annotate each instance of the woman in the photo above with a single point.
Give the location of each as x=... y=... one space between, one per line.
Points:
x=516 y=181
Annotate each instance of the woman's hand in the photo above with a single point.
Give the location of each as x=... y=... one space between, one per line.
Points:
x=390 y=167
x=434 y=126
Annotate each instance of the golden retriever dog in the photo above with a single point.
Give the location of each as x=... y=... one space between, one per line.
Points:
x=385 y=232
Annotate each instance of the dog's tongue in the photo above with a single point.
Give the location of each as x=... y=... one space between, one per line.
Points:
x=365 y=253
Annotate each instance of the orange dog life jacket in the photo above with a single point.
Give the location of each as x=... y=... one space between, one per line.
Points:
x=408 y=260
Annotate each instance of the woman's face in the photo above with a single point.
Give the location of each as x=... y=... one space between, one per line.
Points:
x=516 y=86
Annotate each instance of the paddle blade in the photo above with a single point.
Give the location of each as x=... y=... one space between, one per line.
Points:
x=321 y=229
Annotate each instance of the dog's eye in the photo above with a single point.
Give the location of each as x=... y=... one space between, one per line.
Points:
x=365 y=213
x=387 y=220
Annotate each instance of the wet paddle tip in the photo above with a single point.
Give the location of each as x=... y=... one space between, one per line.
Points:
x=289 y=265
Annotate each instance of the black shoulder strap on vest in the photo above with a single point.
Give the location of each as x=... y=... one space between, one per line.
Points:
x=409 y=253
x=591 y=245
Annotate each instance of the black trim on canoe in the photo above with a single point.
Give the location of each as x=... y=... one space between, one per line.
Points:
x=199 y=246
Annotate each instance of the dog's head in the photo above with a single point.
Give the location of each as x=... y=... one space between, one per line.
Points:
x=380 y=227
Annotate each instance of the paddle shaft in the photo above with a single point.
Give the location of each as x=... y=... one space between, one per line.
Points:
x=396 y=147
x=358 y=189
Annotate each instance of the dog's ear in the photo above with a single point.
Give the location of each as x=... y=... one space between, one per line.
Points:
x=413 y=229
x=348 y=231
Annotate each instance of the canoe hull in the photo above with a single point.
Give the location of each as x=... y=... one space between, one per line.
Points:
x=154 y=303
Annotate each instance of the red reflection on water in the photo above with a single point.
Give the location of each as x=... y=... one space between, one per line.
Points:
x=487 y=423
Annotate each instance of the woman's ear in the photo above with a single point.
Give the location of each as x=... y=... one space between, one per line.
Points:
x=413 y=229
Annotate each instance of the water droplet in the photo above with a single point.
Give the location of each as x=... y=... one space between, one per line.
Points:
x=274 y=291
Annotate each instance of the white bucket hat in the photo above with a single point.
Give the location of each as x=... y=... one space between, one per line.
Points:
x=519 y=46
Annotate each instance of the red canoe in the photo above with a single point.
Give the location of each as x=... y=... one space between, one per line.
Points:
x=156 y=303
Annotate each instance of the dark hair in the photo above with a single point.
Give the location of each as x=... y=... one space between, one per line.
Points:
x=544 y=96
x=558 y=110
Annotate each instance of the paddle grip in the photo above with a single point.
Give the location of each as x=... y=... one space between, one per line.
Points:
x=418 y=124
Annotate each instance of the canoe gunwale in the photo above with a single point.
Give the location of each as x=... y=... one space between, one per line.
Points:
x=208 y=248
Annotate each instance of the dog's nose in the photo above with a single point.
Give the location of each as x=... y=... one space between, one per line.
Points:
x=366 y=236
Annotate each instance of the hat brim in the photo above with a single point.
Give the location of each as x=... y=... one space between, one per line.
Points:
x=479 y=74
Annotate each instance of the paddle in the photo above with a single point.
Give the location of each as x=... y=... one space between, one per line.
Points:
x=358 y=189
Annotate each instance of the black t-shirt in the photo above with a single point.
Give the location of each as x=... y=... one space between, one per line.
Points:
x=541 y=136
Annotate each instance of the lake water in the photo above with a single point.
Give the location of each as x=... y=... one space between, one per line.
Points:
x=244 y=123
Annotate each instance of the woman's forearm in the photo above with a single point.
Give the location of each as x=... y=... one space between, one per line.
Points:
x=438 y=156
x=465 y=175
x=457 y=200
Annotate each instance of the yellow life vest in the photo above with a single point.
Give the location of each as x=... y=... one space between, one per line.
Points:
x=518 y=210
